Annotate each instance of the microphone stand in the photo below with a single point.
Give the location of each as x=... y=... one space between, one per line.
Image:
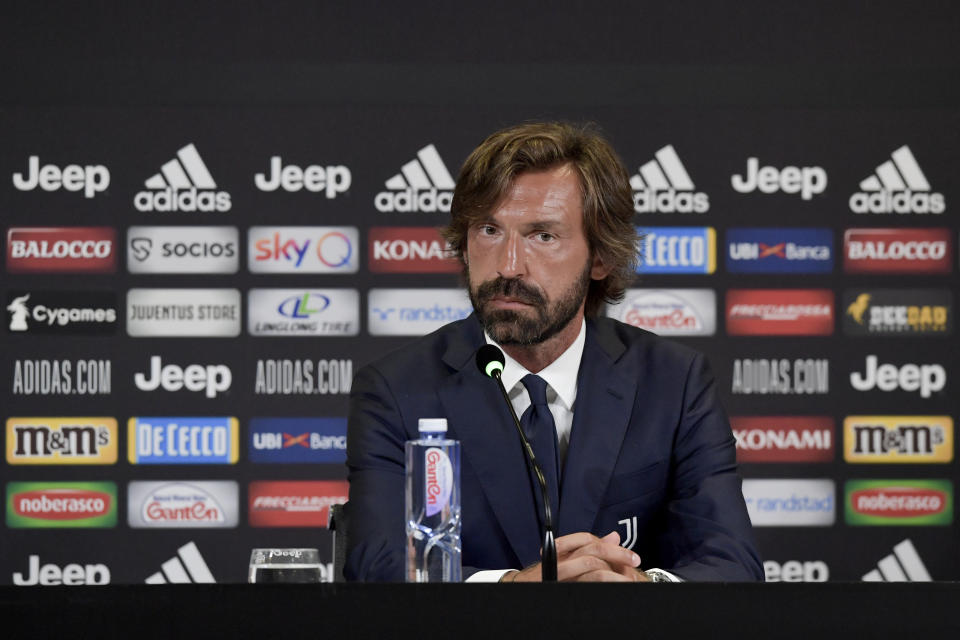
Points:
x=548 y=555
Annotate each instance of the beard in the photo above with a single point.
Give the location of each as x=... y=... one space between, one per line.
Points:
x=510 y=327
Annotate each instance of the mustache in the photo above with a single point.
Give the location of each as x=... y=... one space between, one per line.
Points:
x=510 y=288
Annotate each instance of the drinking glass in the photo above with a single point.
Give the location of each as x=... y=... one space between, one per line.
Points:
x=269 y=566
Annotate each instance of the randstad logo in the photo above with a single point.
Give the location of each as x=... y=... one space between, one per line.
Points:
x=664 y=186
x=303 y=249
x=897 y=186
x=183 y=184
x=423 y=184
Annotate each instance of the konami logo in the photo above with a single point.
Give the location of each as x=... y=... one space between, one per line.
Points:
x=294 y=504
x=410 y=250
x=783 y=438
x=61 y=249
x=780 y=312
x=899 y=502
x=928 y=250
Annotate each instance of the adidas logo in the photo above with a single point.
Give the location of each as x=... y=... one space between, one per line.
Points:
x=183 y=184
x=898 y=186
x=903 y=565
x=185 y=567
x=423 y=184
x=664 y=186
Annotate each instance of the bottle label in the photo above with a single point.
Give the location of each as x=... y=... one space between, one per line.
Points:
x=439 y=480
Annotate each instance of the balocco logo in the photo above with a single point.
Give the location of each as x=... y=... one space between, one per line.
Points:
x=61 y=249
x=423 y=184
x=183 y=184
x=908 y=250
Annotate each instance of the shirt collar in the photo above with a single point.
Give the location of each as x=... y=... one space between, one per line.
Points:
x=561 y=374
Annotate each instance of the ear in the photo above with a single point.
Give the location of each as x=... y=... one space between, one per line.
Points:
x=598 y=270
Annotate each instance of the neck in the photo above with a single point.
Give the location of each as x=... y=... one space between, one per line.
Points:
x=537 y=357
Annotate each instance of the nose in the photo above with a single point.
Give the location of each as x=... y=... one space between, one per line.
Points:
x=511 y=260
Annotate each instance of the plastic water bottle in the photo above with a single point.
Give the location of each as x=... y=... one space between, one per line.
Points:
x=433 y=504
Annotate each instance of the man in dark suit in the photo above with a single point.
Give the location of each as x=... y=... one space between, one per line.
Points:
x=640 y=454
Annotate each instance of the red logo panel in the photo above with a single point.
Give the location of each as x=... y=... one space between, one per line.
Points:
x=61 y=249
x=780 y=312
x=897 y=251
x=410 y=250
x=784 y=438
x=294 y=503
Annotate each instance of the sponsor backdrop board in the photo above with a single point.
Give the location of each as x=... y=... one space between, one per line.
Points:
x=211 y=271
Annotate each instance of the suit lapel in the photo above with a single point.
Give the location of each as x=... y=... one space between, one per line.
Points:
x=481 y=421
x=604 y=404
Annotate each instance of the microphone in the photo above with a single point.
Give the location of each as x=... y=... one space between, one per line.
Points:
x=490 y=361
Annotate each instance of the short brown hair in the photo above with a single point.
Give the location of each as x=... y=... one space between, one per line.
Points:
x=488 y=172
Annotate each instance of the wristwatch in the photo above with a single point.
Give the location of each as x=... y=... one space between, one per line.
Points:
x=658 y=575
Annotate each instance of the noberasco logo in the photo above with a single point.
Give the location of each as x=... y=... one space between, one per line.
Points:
x=183 y=184
x=663 y=185
x=897 y=186
x=423 y=184
x=42 y=505
x=899 y=502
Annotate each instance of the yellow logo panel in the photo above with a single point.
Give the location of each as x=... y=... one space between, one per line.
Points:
x=896 y=439
x=62 y=440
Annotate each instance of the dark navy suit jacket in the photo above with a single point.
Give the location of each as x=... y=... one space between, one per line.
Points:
x=651 y=455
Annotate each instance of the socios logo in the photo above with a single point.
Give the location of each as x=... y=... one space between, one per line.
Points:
x=62 y=440
x=668 y=312
x=303 y=249
x=299 y=312
x=183 y=504
x=790 y=503
x=183 y=249
x=767 y=250
x=322 y=440
x=42 y=505
x=176 y=440
x=898 y=439
x=899 y=502
x=677 y=250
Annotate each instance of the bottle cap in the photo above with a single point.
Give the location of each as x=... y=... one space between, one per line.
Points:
x=432 y=425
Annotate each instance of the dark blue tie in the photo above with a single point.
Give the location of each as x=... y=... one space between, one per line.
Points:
x=537 y=424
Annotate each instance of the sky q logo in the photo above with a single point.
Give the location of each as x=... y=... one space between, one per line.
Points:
x=790 y=503
x=183 y=504
x=178 y=440
x=183 y=313
x=783 y=438
x=62 y=441
x=899 y=502
x=780 y=312
x=913 y=251
x=898 y=439
x=62 y=312
x=61 y=505
x=757 y=250
x=61 y=250
x=878 y=312
x=294 y=503
x=410 y=250
x=303 y=249
x=669 y=312
x=183 y=250
x=677 y=250
x=414 y=312
x=300 y=312
x=307 y=440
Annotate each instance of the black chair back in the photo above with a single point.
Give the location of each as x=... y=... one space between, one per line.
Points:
x=338 y=522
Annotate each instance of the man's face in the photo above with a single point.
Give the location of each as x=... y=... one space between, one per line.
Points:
x=528 y=263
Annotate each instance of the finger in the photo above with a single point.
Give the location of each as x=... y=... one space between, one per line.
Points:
x=573 y=541
x=615 y=555
x=612 y=537
x=571 y=569
x=603 y=576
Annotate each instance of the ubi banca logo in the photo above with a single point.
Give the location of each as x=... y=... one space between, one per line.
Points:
x=898 y=186
x=423 y=184
x=91 y=179
x=183 y=184
x=807 y=181
x=663 y=185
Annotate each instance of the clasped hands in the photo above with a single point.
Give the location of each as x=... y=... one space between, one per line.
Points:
x=583 y=557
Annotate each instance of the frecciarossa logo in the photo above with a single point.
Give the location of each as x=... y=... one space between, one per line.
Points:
x=923 y=250
x=61 y=249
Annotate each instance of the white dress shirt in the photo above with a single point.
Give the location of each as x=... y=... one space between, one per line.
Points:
x=561 y=378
